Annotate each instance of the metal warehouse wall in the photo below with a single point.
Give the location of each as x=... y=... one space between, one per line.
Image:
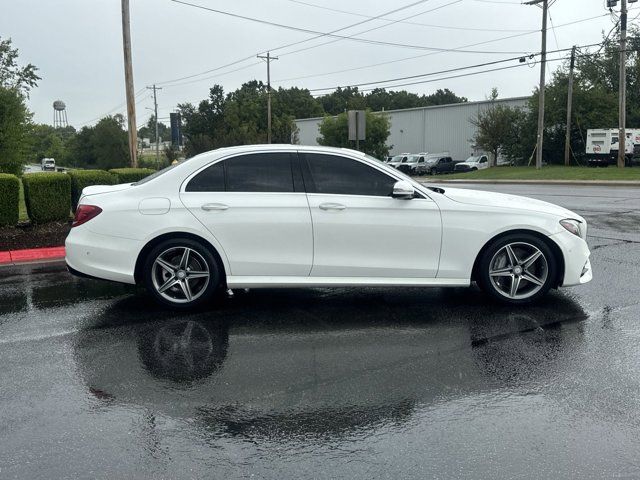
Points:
x=426 y=129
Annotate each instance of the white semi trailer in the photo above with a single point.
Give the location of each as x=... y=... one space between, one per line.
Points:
x=603 y=146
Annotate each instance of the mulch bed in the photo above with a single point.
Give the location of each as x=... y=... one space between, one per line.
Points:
x=33 y=236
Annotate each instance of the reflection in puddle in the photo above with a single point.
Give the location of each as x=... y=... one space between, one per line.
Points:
x=319 y=364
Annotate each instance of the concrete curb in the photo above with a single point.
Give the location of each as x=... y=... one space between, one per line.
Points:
x=31 y=255
x=592 y=183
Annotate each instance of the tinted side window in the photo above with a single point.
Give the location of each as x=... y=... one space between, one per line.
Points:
x=211 y=179
x=259 y=172
x=344 y=176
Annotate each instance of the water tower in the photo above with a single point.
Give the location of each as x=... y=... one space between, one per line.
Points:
x=59 y=114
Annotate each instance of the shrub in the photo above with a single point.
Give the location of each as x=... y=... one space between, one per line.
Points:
x=86 y=178
x=131 y=175
x=9 y=198
x=47 y=196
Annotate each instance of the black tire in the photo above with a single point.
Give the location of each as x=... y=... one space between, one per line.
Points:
x=201 y=261
x=499 y=286
x=474 y=169
x=433 y=171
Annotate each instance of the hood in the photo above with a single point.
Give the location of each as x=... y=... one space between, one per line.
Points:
x=96 y=189
x=468 y=164
x=502 y=200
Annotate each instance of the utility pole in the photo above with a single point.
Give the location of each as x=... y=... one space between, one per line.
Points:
x=128 y=80
x=543 y=67
x=622 y=108
x=567 y=139
x=155 y=108
x=268 y=58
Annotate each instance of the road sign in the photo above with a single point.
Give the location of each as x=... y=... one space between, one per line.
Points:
x=357 y=125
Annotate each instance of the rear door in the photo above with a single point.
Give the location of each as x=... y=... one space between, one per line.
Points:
x=360 y=230
x=256 y=207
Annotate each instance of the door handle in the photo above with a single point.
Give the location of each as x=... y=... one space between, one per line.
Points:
x=332 y=206
x=214 y=206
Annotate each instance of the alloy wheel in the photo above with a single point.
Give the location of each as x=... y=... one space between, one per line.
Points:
x=180 y=274
x=518 y=270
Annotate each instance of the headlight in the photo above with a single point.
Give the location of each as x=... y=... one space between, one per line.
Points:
x=572 y=226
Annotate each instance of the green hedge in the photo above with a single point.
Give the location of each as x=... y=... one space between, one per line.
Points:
x=131 y=175
x=85 y=178
x=9 y=199
x=47 y=196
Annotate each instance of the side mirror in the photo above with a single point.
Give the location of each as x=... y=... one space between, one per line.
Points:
x=404 y=190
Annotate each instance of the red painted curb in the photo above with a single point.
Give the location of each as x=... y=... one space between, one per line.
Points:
x=13 y=257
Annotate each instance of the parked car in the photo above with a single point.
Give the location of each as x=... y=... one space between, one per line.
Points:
x=267 y=216
x=472 y=163
x=413 y=165
x=436 y=164
x=48 y=164
x=396 y=160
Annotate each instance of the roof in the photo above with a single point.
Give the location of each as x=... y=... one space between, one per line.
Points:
x=431 y=107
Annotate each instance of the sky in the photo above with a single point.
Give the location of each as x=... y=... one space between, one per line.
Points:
x=77 y=46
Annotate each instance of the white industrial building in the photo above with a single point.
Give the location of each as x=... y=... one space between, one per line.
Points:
x=441 y=128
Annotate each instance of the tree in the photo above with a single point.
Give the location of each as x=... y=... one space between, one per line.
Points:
x=495 y=127
x=149 y=131
x=240 y=117
x=15 y=118
x=334 y=132
x=296 y=102
x=46 y=141
x=12 y=75
x=443 y=97
x=14 y=129
x=342 y=99
x=102 y=146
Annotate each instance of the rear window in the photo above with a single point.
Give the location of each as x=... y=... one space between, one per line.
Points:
x=156 y=174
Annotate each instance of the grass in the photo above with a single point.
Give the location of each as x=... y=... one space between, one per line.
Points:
x=551 y=172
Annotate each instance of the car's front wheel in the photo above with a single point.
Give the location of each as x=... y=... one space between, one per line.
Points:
x=517 y=269
x=181 y=273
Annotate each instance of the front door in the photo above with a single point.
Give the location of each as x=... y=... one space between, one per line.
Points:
x=359 y=230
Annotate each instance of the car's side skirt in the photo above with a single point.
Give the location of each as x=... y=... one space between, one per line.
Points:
x=289 y=282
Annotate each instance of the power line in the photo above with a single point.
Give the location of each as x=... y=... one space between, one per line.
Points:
x=114 y=110
x=473 y=29
x=283 y=46
x=329 y=34
x=212 y=76
x=428 y=54
x=371 y=29
x=321 y=34
x=509 y=67
x=442 y=71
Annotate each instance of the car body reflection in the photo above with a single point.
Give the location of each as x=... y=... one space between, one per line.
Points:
x=317 y=363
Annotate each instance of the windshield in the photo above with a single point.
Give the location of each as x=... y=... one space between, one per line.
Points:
x=397 y=158
x=473 y=159
x=412 y=159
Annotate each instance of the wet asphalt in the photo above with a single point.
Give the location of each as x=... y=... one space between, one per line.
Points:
x=98 y=382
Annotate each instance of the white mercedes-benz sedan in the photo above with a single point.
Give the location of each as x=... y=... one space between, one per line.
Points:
x=292 y=216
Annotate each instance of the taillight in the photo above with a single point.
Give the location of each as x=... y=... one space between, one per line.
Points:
x=84 y=213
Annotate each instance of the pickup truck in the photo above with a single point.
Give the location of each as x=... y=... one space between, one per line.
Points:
x=439 y=164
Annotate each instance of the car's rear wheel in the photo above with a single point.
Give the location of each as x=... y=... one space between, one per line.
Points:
x=433 y=171
x=181 y=273
x=517 y=269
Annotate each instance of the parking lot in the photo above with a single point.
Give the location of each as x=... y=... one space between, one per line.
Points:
x=96 y=381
